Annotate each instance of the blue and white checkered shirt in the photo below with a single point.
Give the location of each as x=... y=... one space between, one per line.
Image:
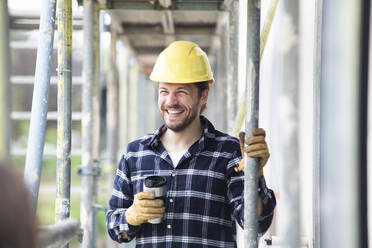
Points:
x=204 y=193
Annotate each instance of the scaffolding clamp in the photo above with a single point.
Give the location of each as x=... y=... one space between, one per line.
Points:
x=89 y=170
x=60 y=70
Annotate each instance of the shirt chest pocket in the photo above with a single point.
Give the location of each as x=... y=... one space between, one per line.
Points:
x=208 y=186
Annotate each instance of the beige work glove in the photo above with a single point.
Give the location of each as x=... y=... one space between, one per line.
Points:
x=145 y=207
x=254 y=147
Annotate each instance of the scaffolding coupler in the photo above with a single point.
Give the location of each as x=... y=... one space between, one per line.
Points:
x=89 y=171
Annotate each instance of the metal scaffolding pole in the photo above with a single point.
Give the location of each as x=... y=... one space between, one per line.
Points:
x=90 y=128
x=112 y=119
x=369 y=135
x=39 y=110
x=340 y=159
x=222 y=71
x=58 y=234
x=5 y=105
x=232 y=73
x=251 y=122
x=317 y=78
x=289 y=215
x=133 y=99
x=64 y=20
x=123 y=55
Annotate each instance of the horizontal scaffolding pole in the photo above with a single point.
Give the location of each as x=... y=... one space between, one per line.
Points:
x=51 y=115
x=58 y=235
x=30 y=21
x=30 y=80
x=47 y=152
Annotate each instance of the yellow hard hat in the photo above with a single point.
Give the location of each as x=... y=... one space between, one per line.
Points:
x=182 y=62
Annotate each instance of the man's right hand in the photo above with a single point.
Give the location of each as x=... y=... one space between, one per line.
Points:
x=145 y=207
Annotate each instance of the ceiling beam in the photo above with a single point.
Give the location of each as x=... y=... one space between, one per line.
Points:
x=157 y=39
x=211 y=5
x=145 y=50
x=152 y=29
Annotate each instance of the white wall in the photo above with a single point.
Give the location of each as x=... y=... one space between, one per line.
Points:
x=271 y=74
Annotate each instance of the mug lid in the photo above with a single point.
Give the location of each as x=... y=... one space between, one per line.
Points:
x=155 y=181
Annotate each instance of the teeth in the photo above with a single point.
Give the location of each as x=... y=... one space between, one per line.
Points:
x=174 y=112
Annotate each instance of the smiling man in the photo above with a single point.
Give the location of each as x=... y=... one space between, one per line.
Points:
x=205 y=187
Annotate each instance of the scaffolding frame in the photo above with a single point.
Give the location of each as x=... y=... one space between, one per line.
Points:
x=90 y=115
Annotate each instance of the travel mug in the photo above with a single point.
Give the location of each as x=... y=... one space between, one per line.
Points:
x=158 y=185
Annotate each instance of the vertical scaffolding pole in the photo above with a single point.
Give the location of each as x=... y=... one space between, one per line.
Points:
x=133 y=99
x=39 y=110
x=64 y=19
x=222 y=71
x=90 y=108
x=232 y=81
x=251 y=122
x=5 y=122
x=289 y=215
x=123 y=55
x=317 y=78
x=340 y=159
x=96 y=93
x=112 y=119
x=369 y=136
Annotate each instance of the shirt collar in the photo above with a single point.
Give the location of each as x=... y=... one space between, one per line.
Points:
x=206 y=140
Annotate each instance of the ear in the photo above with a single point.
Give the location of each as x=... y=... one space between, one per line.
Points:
x=204 y=96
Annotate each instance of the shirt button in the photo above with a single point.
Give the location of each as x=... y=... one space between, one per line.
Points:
x=173 y=174
x=169 y=226
x=170 y=200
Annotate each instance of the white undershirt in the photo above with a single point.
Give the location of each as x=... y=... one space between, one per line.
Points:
x=176 y=157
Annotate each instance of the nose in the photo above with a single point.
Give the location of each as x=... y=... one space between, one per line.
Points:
x=171 y=99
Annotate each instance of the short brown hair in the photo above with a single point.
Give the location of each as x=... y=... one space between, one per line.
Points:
x=202 y=86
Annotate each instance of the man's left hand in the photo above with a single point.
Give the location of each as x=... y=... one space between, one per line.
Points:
x=255 y=147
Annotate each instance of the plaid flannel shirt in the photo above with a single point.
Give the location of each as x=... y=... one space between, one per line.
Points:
x=204 y=193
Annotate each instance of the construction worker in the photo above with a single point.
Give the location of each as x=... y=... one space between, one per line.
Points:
x=205 y=184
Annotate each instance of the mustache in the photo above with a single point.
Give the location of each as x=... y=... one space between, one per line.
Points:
x=175 y=106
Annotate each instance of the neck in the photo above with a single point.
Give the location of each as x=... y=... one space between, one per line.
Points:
x=182 y=140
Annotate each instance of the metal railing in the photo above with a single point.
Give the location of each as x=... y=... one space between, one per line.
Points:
x=59 y=234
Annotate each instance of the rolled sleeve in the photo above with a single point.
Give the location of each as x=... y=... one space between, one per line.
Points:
x=121 y=199
x=236 y=199
x=235 y=189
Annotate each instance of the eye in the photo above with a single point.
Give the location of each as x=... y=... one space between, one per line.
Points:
x=182 y=92
x=163 y=92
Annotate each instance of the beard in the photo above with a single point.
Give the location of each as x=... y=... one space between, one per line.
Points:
x=184 y=122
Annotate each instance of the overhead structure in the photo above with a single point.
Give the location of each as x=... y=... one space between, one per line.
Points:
x=135 y=23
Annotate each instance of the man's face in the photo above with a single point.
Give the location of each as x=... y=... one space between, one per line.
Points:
x=179 y=104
